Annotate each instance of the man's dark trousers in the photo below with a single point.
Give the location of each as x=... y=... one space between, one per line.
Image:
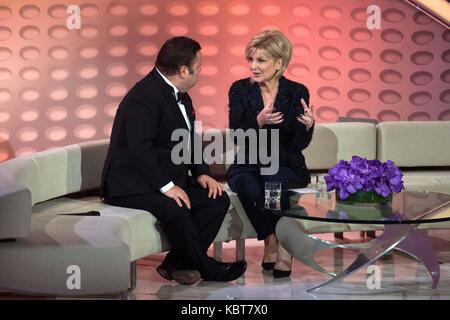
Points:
x=191 y=232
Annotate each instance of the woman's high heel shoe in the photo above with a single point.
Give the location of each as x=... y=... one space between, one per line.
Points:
x=268 y=265
x=285 y=259
x=270 y=245
x=281 y=273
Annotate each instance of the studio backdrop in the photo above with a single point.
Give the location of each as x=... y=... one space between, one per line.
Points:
x=66 y=64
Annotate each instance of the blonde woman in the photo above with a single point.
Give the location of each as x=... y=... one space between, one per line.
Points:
x=267 y=100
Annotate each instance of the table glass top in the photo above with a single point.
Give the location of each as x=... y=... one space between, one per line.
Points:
x=407 y=207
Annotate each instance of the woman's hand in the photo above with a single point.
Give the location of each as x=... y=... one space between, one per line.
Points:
x=267 y=117
x=306 y=119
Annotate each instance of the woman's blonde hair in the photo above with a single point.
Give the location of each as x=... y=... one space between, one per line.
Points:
x=275 y=43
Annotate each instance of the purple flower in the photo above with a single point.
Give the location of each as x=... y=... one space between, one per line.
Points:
x=366 y=175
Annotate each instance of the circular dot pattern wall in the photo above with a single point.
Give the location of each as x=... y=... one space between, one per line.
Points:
x=60 y=86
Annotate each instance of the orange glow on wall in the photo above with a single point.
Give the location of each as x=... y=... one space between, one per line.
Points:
x=61 y=86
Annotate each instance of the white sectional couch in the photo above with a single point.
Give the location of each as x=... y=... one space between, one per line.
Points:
x=421 y=149
x=39 y=246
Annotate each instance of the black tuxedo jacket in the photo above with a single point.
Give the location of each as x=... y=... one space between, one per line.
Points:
x=139 y=155
x=245 y=102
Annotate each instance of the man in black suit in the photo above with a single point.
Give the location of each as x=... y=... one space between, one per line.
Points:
x=139 y=171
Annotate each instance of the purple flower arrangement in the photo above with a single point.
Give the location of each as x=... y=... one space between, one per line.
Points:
x=360 y=174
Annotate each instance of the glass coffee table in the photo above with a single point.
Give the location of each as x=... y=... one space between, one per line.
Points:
x=400 y=220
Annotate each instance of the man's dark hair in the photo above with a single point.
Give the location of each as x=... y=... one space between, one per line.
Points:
x=175 y=53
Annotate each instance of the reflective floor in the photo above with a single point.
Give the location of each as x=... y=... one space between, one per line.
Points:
x=400 y=277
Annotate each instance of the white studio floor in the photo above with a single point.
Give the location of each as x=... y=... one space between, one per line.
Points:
x=402 y=278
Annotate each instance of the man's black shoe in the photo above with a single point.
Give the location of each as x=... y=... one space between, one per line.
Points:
x=179 y=275
x=230 y=271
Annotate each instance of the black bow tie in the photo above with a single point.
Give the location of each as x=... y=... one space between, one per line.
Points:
x=181 y=97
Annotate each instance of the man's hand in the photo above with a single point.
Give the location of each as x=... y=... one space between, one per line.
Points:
x=213 y=186
x=178 y=194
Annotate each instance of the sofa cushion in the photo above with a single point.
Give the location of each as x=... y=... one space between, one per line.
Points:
x=236 y=224
x=17 y=179
x=435 y=181
x=332 y=142
x=214 y=137
x=15 y=207
x=69 y=169
x=93 y=154
x=219 y=163
x=109 y=242
x=58 y=172
x=41 y=263
x=414 y=143
x=137 y=228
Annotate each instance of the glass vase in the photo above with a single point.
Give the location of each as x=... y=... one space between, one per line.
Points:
x=365 y=197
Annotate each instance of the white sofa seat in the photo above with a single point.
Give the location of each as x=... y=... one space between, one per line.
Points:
x=36 y=189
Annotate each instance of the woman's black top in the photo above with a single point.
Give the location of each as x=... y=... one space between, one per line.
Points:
x=245 y=102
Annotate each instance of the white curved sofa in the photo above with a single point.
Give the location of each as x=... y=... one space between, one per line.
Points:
x=39 y=245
